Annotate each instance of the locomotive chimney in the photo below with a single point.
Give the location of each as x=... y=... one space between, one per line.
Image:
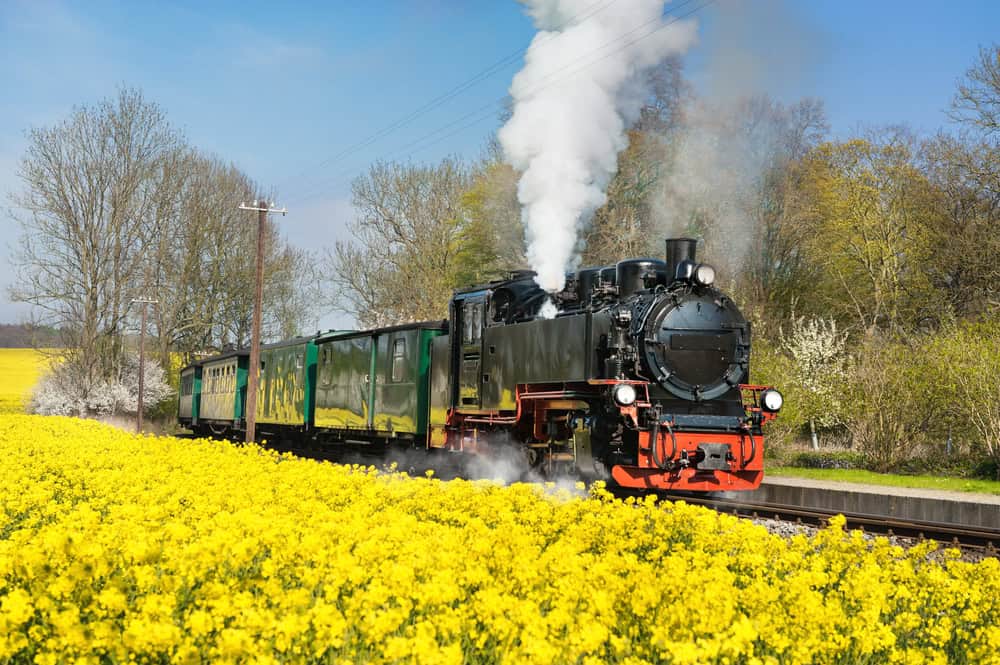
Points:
x=678 y=251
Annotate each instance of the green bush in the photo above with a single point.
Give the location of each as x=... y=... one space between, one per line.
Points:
x=770 y=367
x=898 y=405
x=965 y=360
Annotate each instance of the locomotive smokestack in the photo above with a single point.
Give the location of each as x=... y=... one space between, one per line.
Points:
x=679 y=250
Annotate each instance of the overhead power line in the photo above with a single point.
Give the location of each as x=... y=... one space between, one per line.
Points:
x=481 y=113
x=441 y=99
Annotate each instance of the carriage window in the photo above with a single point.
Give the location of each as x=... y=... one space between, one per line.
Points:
x=398 y=360
x=325 y=371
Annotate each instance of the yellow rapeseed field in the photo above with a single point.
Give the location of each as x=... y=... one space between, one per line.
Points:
x=19 y=370
x=119 y=548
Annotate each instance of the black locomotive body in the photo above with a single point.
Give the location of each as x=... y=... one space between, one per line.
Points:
x=641 y=375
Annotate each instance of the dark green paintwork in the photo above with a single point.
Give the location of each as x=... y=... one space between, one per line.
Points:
x=196 y=398
x=310 y=393
x=283 y=394
x=188 y=403
x=441 y=398
x=343 y=395
x=355 y=386
x=372 y=383
x=427 y=338
x=242 y=376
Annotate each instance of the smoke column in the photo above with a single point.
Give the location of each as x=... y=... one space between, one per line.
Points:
x=582 y=85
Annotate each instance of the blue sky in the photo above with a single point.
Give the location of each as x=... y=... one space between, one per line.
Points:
x=281 y=89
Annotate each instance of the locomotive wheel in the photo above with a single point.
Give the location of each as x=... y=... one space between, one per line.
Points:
x=533 y=456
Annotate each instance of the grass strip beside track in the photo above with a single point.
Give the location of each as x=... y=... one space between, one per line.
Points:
x=889 y=479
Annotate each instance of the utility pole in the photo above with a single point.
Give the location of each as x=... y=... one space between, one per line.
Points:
x=263 y=208
x=142 y=358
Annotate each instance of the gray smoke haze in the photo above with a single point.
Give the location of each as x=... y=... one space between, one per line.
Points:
x=579 y=90
x=732 y=134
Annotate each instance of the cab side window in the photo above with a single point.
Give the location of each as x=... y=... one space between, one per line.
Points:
x=472 y=328
x=467 y=323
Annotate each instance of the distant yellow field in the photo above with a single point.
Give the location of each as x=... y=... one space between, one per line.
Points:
x=19 y=370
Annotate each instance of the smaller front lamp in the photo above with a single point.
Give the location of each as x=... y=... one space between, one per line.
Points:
x=624 y=394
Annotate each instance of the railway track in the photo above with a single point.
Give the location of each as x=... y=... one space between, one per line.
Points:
x=968 y=537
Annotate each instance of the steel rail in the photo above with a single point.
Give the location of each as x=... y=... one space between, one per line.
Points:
x=958 y=535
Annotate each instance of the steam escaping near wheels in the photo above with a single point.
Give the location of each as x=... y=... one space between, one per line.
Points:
x=582 y=85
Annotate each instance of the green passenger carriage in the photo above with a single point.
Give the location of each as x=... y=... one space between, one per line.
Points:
x=189 y=395
x=287 y=380
x=374 y=383
x=222 y=400
x=358 y=387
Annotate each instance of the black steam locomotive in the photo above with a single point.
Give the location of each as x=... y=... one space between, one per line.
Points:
x=640 y=376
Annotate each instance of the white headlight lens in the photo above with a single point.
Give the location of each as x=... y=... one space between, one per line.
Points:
x=772 y=400
x=624 y=394
x=704 y=274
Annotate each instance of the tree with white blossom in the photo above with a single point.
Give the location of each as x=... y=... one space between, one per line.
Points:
x=818 y=350
x=66 y=390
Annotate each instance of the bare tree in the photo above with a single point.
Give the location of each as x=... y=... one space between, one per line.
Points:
x=402 y=263
x=204 y=266
x=977 y=102
x=964 y=266
x=774 y=267
x=116 y=206
x=92 y=192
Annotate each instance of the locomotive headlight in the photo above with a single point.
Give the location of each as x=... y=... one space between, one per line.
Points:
x=704 y=275
x=771 y=400
x=624 y=394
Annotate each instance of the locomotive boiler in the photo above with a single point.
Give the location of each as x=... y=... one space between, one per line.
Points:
x=641 y=376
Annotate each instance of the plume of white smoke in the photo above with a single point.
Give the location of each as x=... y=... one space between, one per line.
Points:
x=580 y=89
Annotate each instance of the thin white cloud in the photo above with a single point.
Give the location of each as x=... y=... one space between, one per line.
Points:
x=319 y=224
x=46 y=17
x=256 y=49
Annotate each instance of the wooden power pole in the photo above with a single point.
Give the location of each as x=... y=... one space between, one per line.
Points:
x=142 y=359
x=253 y=373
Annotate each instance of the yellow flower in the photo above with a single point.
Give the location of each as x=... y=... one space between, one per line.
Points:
x=148 y=548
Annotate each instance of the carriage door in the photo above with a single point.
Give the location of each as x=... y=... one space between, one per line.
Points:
x=472 y=347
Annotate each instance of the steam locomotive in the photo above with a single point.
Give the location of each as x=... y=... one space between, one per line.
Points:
x=640 y=377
